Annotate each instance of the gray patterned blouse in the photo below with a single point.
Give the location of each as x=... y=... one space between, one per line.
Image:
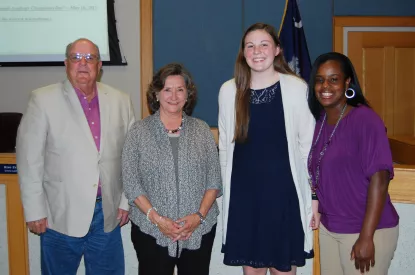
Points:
x=148 y=169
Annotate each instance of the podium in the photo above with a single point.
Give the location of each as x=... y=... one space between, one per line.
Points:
x=403 y=149
x=17 y=248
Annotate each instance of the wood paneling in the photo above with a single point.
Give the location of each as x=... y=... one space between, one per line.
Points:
x=403 y=148
x=215 y=132
x=372 y=70
x=16 y=226
x=339 y=22
x=146 y=51
x=389 y=84
x=385 y=64
x=402 y=187
x=316 y=247
x=404 y=100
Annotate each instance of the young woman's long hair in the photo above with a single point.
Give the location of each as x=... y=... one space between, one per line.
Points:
x=348 y=70
x=243 y=80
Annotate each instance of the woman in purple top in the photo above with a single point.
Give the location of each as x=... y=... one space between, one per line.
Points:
x=350 y=166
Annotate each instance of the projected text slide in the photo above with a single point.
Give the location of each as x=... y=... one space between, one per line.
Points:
x=44 y=27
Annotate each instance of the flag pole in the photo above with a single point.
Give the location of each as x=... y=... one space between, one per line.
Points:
x=283 y=16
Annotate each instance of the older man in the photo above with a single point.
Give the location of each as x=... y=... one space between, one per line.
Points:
x=68 y=155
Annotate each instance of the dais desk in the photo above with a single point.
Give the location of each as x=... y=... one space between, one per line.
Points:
x=16 y=227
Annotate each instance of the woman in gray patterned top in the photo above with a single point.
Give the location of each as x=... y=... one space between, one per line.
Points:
x=171 y=175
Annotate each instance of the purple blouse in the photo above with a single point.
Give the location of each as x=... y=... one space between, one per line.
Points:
x=359 y=148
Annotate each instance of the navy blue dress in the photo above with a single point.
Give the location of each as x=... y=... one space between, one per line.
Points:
x=264 y=222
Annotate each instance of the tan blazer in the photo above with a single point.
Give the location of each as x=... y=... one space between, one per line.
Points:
x=59 y=164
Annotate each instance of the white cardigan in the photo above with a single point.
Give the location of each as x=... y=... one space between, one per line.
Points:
x=299 y=125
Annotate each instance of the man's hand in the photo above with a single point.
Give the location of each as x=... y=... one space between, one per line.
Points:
x=38 y=227
x=122 y=216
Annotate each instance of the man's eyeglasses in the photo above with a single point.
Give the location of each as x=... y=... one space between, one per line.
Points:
x=77 y=57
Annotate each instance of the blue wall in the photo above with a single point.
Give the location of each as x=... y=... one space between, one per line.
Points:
x=204 y=35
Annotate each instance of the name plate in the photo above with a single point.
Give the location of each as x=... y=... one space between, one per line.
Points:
x=8 y=169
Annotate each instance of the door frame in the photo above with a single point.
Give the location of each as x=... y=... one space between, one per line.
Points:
x=366 y=23
x=146 y=51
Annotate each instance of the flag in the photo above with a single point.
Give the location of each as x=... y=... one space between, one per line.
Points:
x=293 y=40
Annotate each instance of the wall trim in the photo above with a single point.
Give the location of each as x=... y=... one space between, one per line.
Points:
x=366 y=22
x=146 y=51
x=346 y=31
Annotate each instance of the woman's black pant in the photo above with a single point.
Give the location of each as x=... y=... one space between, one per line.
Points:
x=154 y=259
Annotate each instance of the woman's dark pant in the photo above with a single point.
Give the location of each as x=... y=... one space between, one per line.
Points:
x=154 y=259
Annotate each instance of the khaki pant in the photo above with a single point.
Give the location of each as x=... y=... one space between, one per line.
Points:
x=335 y=252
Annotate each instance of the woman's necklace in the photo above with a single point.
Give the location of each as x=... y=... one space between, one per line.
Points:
x=323 y=151
x=175 y=130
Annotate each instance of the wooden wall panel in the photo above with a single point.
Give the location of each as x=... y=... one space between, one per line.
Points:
x=404 y=100
x=390 y=86
x=384 y=63
x=403 y=149
x=386 y=38
x=355 y=49
x=372 y=79
x=146 y=51
x=402 y=187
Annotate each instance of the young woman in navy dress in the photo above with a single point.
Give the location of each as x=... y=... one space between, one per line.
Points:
x=265 y=134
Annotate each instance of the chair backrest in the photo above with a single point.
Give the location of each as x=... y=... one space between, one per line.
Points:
x=9 y=122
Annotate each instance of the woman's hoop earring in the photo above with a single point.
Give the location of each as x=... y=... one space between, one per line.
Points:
x=350 y=93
